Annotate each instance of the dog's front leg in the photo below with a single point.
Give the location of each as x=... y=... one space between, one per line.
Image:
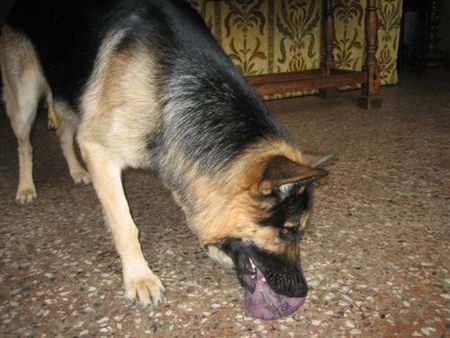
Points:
x=141 y=284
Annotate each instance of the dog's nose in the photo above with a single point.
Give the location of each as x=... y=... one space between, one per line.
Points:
x=301 y=290
x=298 y=285
x=293 y=285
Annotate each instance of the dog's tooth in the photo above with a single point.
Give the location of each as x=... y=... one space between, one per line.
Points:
x=253 y=265
x=263 y=279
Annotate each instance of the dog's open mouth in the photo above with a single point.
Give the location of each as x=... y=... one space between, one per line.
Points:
x=265 y=303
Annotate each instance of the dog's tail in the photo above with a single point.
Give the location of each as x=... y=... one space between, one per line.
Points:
x=1 y=76
x=51 y=111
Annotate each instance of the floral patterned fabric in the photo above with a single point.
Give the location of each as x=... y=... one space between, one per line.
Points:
x=271 y=36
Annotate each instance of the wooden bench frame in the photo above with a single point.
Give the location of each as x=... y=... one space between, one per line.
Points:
x=327 y=78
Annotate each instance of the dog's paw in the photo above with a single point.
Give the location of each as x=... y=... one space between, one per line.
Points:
x=81 y=176
x=26 y=195
x=142 y=285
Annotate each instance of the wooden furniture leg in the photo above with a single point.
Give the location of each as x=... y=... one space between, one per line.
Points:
x=434 y=56
x=327 y=61
x=369 y=92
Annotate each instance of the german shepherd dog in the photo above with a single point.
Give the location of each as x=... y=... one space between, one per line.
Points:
x=143 y=84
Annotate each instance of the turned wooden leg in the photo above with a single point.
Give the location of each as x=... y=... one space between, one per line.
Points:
x=327 y=62
x=369 y=92
x=434 y=56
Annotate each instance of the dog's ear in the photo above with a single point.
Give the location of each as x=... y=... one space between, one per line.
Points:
x=281 y=170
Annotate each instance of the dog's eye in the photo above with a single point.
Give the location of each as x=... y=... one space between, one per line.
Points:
x=288 y=234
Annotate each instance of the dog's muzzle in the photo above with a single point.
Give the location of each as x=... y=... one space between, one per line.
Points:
x=273 y=287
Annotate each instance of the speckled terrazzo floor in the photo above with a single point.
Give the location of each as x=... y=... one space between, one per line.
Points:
x=376 y=254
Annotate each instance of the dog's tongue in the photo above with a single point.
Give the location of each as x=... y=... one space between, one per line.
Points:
x=264 y=303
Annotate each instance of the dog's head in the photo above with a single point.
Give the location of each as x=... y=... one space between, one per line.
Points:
x=256 y=230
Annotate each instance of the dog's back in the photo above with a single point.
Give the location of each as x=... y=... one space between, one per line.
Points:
x=68 y=35
x=206 y=105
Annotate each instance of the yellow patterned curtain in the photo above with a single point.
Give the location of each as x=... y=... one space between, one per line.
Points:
x=271 y=36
